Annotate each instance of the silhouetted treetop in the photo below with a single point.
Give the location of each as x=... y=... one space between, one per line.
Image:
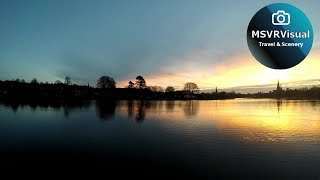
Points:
x=140 y=83
x=131 y=85
x=105 y=82
x=57 y=82
x=34 y=81
x=170 y=89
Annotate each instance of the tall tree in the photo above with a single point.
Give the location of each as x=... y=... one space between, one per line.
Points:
x=105 y=82
x=131 y=85
x=170 y=89
x=190 y=86
x=140 y=83
x=67 y=81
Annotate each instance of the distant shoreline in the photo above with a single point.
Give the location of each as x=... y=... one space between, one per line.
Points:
x=15 y=91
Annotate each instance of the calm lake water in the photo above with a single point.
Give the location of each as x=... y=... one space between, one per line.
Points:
x=249 y=138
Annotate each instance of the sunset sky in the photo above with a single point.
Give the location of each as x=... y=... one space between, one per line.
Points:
x=167 y=42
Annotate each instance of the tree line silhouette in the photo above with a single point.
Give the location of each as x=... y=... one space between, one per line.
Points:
x=19 y=90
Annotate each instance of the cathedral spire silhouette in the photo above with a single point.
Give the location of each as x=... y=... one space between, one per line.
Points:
x=278 y=85
x=279 y=90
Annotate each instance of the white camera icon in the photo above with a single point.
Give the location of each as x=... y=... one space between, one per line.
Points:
x=280 y=18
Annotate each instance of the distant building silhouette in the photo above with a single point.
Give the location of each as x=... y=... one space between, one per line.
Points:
x=279 y=88
x=278 y=91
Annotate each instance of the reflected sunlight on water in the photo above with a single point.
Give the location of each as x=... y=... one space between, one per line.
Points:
x=249 y=120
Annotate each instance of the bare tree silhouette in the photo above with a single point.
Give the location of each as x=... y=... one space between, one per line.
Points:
x=190 y=86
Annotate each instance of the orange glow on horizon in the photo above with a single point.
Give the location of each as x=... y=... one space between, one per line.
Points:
x=239 y=70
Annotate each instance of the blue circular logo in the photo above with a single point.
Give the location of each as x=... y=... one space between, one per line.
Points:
x=280 y=36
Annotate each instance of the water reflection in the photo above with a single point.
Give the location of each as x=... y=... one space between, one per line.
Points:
x=248 y=120
x=67 y=107
x=130 y=108
x=279 y=105
x=244 y=136
x=137 y=109
x=258 y=121
x=105 y=109
x=141 y=111
x=191 y=108
x=170 y=106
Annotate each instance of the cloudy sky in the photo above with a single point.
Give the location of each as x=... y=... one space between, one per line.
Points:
x=169 y=42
